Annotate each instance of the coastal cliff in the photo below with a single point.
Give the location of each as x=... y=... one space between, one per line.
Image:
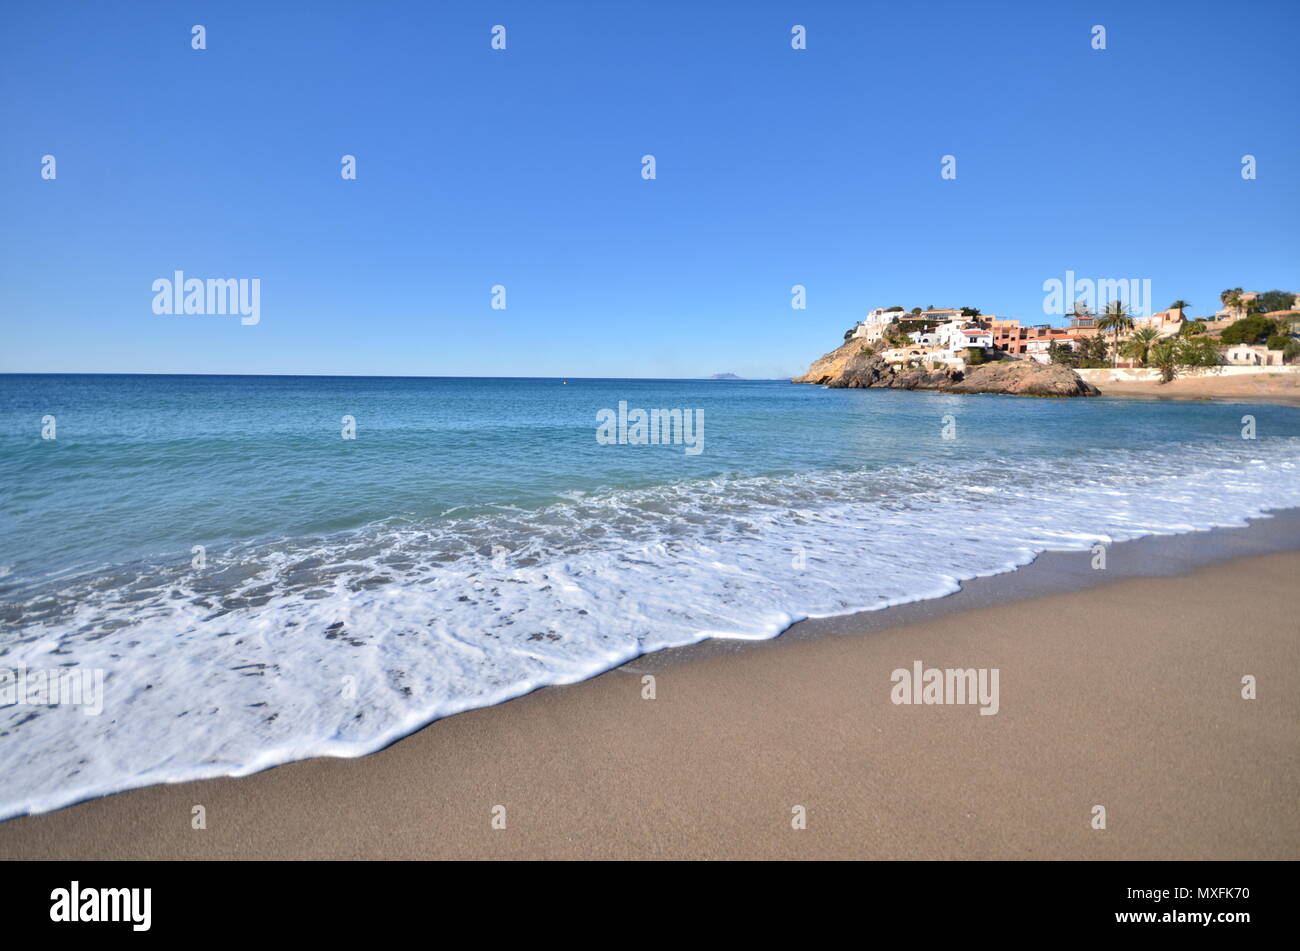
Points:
x=853 y=366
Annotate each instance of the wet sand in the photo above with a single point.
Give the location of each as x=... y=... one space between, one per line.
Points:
x=1120 y=688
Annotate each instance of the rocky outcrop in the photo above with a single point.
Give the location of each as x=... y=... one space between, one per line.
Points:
x=853 y=355
x=1023 y=378
x=853 y=366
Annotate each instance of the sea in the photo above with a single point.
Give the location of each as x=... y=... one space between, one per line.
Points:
x=260 y=569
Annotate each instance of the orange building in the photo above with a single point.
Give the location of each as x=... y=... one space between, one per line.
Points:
x=1010 y=337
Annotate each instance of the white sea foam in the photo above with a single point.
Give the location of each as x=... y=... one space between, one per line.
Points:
x=336 y=646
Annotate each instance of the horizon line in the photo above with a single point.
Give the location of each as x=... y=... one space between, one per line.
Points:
x=391 y=376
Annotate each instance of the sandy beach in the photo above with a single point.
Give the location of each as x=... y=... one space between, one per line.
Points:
x=1127 y=694
x=1257 y=388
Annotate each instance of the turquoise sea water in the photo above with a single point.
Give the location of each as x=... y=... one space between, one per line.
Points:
x=475 y=540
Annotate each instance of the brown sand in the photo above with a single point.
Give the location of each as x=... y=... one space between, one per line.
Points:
x=1126 y=695
x=1256 y=388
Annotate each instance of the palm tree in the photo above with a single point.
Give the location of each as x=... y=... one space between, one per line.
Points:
x=1138 y=347
x=1116 y=319
x=1164 y=357
x=1180 y=304
x=1231 y=299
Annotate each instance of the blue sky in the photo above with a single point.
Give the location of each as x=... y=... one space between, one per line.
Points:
x=478 y=167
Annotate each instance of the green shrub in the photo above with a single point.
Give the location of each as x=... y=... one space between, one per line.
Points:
x=1253 y=330
x=1197 y=352
x=1275 y=300
x=1066 y=356
x=1096 y=352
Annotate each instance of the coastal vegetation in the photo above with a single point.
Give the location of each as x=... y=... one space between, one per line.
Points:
x=941 y=347
x=1173 y=354
x=897 y=335
x=1268 y=302
x=1138 y=347
x=1252 y=330
x=1091 y=355
x=1117 y=319
x=1289 y=346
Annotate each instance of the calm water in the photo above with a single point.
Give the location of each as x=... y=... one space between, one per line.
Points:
x=475 y=541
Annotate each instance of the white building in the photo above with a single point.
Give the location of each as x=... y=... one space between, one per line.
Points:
x=941 y=314
x=958 y=336
x=1244 y=355
x=965 y=336
x=903 y=355
x=954 y=334
x=949 y=342
x=873 y=327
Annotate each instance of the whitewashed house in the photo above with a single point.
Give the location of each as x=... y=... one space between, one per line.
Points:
x=872 y=328
x=1245 y=355
x=900 y=356
x=958 y=336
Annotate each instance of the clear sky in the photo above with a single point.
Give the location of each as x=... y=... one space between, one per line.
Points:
x=522 y=167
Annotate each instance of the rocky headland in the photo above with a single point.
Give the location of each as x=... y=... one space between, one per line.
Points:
x=855 y=366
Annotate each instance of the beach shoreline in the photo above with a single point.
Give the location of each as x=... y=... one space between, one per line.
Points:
x=1281 y=389
x=1120 y=687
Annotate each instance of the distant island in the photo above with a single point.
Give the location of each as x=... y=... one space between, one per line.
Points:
x=724 y=376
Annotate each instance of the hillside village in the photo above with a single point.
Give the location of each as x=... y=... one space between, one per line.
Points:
x=1250 y=329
